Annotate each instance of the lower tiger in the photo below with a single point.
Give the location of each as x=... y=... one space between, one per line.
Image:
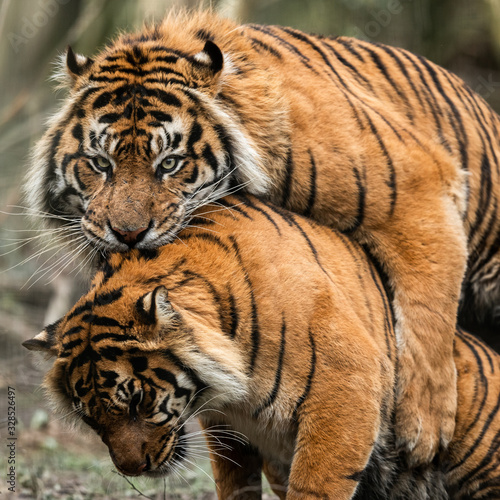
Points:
x=260 y=322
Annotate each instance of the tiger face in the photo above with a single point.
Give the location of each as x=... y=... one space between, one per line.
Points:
x=139 y=411
x=130 y=382
x=123 y=358
x=140 y=144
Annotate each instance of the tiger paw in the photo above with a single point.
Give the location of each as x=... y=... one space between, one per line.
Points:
x=426 y=408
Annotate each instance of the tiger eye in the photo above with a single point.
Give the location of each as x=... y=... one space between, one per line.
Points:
x=103 y=163
x=169 y=164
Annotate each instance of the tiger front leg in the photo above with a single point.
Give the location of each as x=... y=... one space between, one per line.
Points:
x=425 y=258
x=339 y=420
x=236 y=467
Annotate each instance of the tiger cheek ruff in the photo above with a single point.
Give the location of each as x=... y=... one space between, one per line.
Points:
x=368 y=139
x=296 y=380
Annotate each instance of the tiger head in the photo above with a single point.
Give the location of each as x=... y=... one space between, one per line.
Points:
x=134 y=369
x=145 y=136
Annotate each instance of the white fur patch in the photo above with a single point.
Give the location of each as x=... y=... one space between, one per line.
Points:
x=247 y=160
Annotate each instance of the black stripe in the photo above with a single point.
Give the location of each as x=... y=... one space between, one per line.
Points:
x=193 y=177
x=189 y=275
x=485 y=384
x=194 y=136
x=210 y=158
x=233 y=314
x=227 y=143
x=110 y=118
x=430 y=99
x=248 y=203
x=383 y=69
x=210 y=237
x=287 y=184
x=348 y=65
x=394 y=55
x=454 y=117
x=485 y=191
x=493 y=247
x=232 y=207
x=388 y=312
x=391 y=183
x=103 y=100
x=200 y=385
x=120 y=337
x=259 y=44
x=72 y=331
x=169 y=377
x=279 y=370
x=312 y=189
x=255 y=333
x=165 y=97
x=360 y=215
x=101 y=321
x=310 y=376
x=347 y=44
x=268 y=30
x=108 y=297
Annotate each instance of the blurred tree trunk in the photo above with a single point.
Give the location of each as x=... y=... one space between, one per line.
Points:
x=494 y=17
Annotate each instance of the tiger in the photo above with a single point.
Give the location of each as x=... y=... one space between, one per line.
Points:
x=374 y=141
x=265 y=324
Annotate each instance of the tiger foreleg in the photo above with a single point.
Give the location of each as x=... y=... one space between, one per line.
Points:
x=338 y=422
x=425 y=258
x=236 y=467
x=277 y=476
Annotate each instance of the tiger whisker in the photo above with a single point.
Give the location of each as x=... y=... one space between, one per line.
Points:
x=204 y=228
x=192 y=416
x=32 y=212
x=198 y=216
x=189 y=402
x=65 y=260
x=49 y=246
x=199 y=468
x=223 y=207
x=226 y=433
x=68 y=263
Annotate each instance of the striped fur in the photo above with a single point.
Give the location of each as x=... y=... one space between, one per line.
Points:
x=263 y=323
x=369 y=139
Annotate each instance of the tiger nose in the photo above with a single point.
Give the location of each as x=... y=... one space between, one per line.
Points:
x=130 y=237
x=129 y=467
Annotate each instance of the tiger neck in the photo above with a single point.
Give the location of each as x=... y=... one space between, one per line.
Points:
x=251 y=93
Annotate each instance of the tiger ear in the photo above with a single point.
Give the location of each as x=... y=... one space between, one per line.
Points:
x=155 y=305
x=210 y=58
x=43 y=342
x=76 y=64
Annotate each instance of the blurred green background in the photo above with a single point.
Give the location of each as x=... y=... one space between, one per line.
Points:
x=52 y=462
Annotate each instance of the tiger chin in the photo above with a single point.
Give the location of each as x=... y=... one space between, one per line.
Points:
x=274 y=328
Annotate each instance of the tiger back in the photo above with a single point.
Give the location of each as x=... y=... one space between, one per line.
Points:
x=263 y=323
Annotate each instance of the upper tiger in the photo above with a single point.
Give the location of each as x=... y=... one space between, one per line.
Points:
x=366 y=138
